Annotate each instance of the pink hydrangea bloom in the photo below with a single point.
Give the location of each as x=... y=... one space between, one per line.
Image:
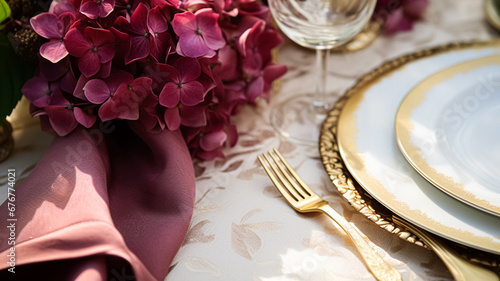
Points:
x=97 y=8
x=190 y=116
x=94 y=48
x=199 y=33
x=63 y=119
x=61 y=71
x=172 y=65
x=122 y=103
x=147 y=29
x=182 y=85
x=42 y=93
x=53 y=27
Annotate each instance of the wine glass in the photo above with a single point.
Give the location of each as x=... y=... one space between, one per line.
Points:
x=320 y=25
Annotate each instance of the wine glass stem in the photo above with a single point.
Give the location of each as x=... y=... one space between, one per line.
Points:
x=320 y=105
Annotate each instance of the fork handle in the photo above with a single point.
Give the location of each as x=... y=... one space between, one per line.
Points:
x=381 y=269
x=462 y=270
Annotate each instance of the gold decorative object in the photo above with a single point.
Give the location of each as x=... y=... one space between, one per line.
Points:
x=298 y=194
x=461 y=269
x=6 y=140
x=351 y=190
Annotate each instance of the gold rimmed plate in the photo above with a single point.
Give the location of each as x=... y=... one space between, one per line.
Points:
x=360 y=153
x=448 y=128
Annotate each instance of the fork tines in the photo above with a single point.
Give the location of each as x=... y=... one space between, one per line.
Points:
x=291 y=186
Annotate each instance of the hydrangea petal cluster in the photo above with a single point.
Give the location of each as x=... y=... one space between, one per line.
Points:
x=185 y=65
x=399 y=15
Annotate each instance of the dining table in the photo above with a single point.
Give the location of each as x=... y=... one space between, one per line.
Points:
x=242 y=228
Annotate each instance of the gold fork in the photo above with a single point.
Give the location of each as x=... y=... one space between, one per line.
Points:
x=304 y=200
x=461 y=269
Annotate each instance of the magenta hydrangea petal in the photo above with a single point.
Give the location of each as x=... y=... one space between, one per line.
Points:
x=96 y=91
x=126 y=109
x=232 y=135
x=57 y=97
x=46 y=25
x=213 y=140
x=172 y=118
x=54 y=51
x=98 y=36
x=117 y=78
x=106 y=53
x=189 y=68
x=156 y=21
x=61 y=119
x=192 y=93
x=170 y=95
x=255 y=88
x=152 y=119
x=68 y=82
x=90 y=9
x=210 y=155
x=36 y=90
x=53 y=71
x=393 y=21
x=248 y=37
x=210 y=30
x=86 y=119
x=158 y=46
x=228 y=69
x=106 y=8
x=89 y=64
x=139 y=49
x=108 y=111
x=116 y=108
x=105 y=69
x=139 y=20
x=141 y=88
x=76 y=44
x=66 y=20
x=78 y=92
x=193 y=45
x=184 y=23
x=273 y=72
x=61 y=6
x=193 y=116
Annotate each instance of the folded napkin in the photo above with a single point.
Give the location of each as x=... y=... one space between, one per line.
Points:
x=100 y=206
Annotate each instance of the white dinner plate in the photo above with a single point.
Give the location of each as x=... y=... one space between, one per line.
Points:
x=368 y=146
x=448 y=128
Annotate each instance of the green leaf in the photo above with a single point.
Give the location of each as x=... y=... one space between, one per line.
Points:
x=13 y=74
x=4 y=11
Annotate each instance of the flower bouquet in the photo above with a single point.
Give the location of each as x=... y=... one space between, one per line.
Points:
x=169 y=64
x=134 y=90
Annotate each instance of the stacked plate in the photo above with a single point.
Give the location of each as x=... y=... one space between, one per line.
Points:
x=422 y=137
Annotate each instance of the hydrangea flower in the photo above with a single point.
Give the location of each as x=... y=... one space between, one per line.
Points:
x=53 y=27
x=182 y=85
x=97 y=8
x=185 y=65
x=199 y=33
x=147 y=29
x=94 y=47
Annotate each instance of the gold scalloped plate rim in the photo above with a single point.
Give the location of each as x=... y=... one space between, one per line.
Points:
x=345 y=182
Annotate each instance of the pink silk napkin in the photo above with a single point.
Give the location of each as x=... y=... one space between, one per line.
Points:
x=100 y=206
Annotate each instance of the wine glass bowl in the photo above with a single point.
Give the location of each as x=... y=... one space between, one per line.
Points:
x=321 y=25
